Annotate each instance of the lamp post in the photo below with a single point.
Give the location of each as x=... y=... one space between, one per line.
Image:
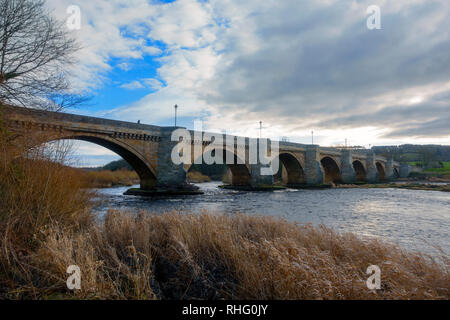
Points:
x=176 y=107
x=261 y=129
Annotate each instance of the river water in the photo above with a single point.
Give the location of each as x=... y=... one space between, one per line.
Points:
x=414 y=219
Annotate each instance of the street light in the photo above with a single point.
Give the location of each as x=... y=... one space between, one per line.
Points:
x=176 y=107
x=261 y=129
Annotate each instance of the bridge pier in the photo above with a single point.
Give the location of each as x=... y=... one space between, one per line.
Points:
x=257 y=179
x=170 y=175
x=348 y=173
x=372 y=172
x=313 y=170
x=171 y=178
x=405 y=170
x=389 y=169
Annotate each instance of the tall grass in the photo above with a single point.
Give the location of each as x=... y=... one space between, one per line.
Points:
x=106 y=178
x=36 y=192
x=36 y=189
x=207 y=256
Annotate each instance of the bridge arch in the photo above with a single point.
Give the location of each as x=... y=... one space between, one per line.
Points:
x=146 y=173
x=239 y=172
x=293 y=173
x=360 y=171
x=381 y=171
x=331 y=170
x=396 y=173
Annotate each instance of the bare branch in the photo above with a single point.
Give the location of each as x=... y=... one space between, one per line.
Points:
x=35 y=52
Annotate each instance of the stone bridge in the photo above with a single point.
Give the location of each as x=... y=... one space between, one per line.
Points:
x=148 y=150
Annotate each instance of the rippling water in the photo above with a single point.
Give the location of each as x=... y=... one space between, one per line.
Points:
x=414 y=219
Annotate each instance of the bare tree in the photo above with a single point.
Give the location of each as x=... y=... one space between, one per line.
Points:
x=35 y=51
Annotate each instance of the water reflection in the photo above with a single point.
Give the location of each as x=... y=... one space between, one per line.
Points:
x=415 y=219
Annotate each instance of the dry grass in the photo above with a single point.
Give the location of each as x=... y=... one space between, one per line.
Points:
x=205 y=256
x=107 y=179
x=37 y=190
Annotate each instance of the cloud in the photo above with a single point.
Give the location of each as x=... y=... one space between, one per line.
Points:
x=132 y=85
x=153 y=51
x=153 y=83
x=148 y=83
x=158 y=107
x=124 y=66
x=296 y=65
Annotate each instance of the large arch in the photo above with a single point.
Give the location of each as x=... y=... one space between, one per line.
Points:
x=239 y=173
x=292 y=171
x=381 y=172
x=360 y=171
x=331 y=170
x=146 y=173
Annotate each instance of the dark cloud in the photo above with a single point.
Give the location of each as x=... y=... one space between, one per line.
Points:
x=430 y=118
x=436 y=128
x=320 y=62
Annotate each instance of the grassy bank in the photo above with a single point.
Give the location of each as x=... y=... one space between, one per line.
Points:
x=46 y=225
x=107 y=178
x=407 y=185
x=445 y=170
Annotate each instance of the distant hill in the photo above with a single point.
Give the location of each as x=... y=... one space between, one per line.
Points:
x=117 y=165
x=112 y=166
x=413 y=152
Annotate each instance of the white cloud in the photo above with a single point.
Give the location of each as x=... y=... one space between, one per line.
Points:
x=149 y=83
x=158 y=106
x=90 y=149
x=152 y=51
x=124 y=66
x=153 y=83
x=132 y=85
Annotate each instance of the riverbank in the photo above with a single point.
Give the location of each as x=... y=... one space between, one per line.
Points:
x=197 y=177
x=405 y=185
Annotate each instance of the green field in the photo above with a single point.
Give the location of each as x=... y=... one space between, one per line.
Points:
x=445 y=169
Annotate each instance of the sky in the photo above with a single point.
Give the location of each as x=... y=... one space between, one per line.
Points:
x=297 y=66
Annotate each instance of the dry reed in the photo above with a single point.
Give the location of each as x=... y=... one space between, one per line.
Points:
x=206 y=256
x=107 y=179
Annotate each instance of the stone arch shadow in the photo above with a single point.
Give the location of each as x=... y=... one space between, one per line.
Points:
x=381 y=172
x=238 y=172
x=291 y=172
x=396 y=173
x=360 y=170
x=146 y=173
x=331 y=170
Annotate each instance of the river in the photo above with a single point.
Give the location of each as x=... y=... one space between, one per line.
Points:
x=414 y=219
